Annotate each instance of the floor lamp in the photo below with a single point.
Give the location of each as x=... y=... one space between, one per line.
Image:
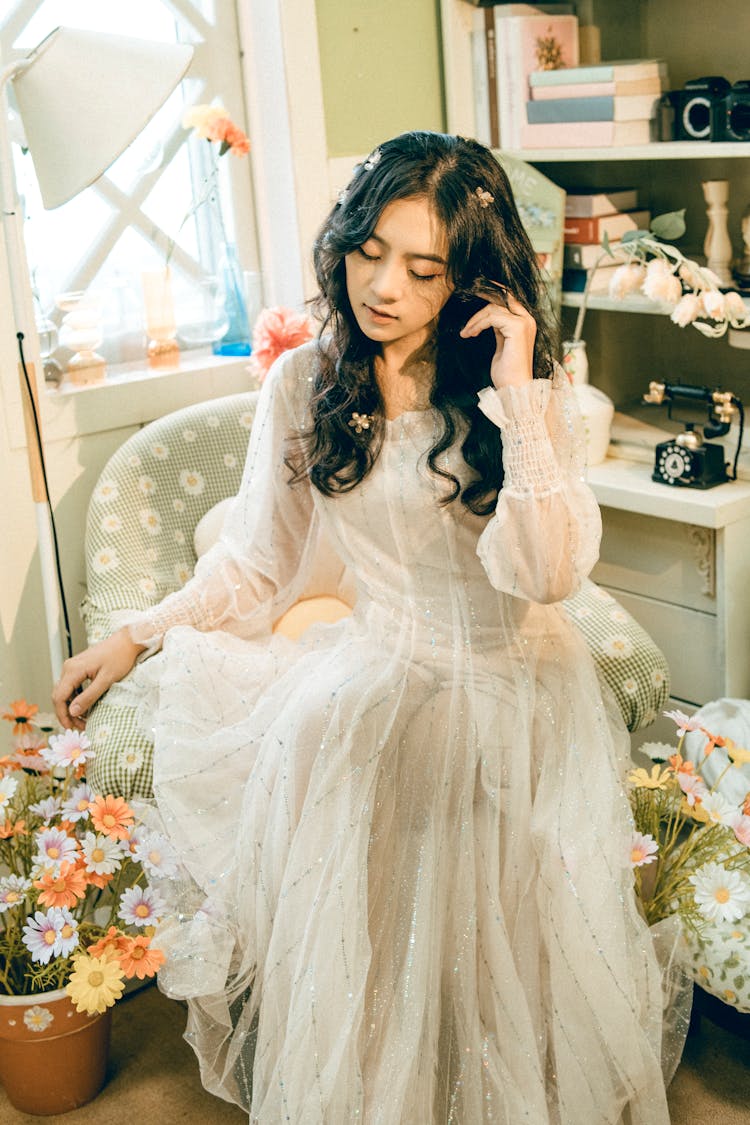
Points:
x=83 y=96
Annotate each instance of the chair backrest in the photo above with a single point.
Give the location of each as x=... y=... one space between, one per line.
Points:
x=149 y=497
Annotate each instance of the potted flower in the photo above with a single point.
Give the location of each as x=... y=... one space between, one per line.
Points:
x=76 y=913
x=691 y=857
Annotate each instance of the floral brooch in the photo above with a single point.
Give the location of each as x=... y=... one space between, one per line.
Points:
x=360 y=422
x=484 y=197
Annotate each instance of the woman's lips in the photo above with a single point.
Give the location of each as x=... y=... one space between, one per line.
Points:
x=378 y=315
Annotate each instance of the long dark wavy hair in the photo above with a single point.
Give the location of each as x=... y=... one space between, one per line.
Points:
x=487 y=248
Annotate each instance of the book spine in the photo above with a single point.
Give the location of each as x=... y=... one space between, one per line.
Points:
x=570 y=109
x=579 y=255
x=480 y=85
x=603 y=72
x=574 y=90
x=492 y=90
x=593 y=229
x=600 y=203
x=568 y=134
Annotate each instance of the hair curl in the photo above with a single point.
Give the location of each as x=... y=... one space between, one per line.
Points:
x=488 y=249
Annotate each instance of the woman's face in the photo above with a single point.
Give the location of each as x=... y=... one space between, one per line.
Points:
x=397 y=279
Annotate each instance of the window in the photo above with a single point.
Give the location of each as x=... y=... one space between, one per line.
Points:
x=104 y=238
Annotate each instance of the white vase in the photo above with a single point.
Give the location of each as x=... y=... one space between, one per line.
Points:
x=597 y=411
x=575 y=361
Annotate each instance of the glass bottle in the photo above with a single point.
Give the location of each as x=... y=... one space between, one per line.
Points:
x=236 y=339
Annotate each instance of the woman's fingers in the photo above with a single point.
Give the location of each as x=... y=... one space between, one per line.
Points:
x=98 y=668
x=510 y=316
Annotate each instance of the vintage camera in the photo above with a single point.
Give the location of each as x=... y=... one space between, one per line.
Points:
x=694 y=109
x=731 y=120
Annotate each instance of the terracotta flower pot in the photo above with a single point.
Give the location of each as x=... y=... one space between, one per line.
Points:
x=52 y=1059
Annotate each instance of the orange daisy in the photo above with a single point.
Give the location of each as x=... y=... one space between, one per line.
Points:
x=139 y=960
x=21 y=713
x=63 y=889
x=112 y=816
x=112 y=944
x=12 y=828
x=679 y=765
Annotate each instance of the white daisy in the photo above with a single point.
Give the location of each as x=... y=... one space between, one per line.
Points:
x=230 y=460
x=160 y=452
x=721 y=895
x=151 y=555
x=157 y=855
x=192 y=482
x=134 y=461
x=618 y=646
x=178 y=504
x=630 y=686
x=147 y=586
x=719 y=809
x=147 y=486
x=111 y=523
x=179 y=537
x=150 y=521
x=133 y=759
x=246 y=419
x=103 y=856
x=37 y=1018
x=182 y=573
x=105 y=560
x=213 y=422
x=658 y=678
x=657 y=751
x=619 y=615
x=106 y=491
x=8 y=786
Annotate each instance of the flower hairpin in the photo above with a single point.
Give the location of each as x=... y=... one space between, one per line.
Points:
x=484 y=197
x=360 y=422
x=372 y=160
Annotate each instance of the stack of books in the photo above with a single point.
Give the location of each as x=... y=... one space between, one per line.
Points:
x=610 y=104
x=589 y=215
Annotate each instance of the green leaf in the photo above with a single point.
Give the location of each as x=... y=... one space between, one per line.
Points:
x=670 y=225
x=634 y=235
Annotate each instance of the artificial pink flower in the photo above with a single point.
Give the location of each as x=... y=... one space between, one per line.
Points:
x=693 y=786
x=626 y=279
x=643 y=849
x=660 y=283
x=682 y=721
x=714 y=304
x=71 y=748
x=687 y=309
x=276 y=331
x=741 y=827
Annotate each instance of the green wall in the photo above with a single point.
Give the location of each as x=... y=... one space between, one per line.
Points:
x=380 y=64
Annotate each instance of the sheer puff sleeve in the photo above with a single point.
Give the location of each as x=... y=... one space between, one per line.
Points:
x=543 y=538
x=258 y=567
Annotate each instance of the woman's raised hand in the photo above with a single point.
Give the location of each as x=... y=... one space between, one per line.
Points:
x=515 y=333
x=101 y=665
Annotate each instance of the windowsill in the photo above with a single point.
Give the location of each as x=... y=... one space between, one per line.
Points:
x=132 y=394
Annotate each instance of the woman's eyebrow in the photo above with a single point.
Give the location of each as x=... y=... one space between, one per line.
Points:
x=426 y=257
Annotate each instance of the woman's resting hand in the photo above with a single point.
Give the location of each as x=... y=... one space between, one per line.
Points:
x=101 y=665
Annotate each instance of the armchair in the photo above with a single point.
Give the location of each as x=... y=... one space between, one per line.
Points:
x=140 y=531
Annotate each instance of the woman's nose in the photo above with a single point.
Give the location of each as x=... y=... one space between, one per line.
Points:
x=387 y=280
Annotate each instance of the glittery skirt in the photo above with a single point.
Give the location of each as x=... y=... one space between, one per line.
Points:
x=407 y=896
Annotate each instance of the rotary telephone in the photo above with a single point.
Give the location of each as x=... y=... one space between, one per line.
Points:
x=687 y=460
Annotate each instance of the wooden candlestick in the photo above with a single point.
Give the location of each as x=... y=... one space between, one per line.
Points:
x=718 y=246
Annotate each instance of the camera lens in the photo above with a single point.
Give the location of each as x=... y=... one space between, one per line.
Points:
x=696 y=118
x=739 y=119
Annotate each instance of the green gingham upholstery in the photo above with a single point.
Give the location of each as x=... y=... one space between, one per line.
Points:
x=139 y=547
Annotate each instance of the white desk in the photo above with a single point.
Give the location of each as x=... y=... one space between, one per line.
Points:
x=679 y=560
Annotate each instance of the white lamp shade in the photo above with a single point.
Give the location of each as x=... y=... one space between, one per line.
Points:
x=84 y=96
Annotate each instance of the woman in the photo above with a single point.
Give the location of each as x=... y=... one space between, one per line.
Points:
x=409 y=897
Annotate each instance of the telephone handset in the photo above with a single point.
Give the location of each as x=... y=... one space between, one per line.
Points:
x=687 y=460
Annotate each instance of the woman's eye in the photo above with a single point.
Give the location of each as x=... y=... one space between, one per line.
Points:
x=368 y=257
x=424 y=276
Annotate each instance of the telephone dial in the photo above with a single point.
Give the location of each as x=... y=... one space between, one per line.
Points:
x=688 y=461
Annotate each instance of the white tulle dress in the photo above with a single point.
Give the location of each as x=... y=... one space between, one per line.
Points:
x=411 y=901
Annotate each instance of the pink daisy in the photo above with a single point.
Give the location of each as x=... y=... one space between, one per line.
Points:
x=49 y=935
x=70 y=748
x=682 y=721
x=643 y=849
x=157 y=855
x=13 y=890
x=693 y=786
x=141 y=906
x=78 y=803
x=55 y=847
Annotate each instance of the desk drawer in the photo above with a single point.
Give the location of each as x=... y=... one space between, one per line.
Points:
x=690 y=642
x=661 y=559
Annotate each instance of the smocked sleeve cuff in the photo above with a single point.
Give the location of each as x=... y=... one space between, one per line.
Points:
x=528 y=458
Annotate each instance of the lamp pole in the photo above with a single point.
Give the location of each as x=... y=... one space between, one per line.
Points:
x=23 y=316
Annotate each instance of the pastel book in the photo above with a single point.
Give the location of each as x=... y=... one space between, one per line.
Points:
x=525 y=43
x=622 y=70
x=586 y=134
x=639 y=107
x=614 y=226
x=586 y=255
x=654 y=86
x=575 y=280
x=597 y=201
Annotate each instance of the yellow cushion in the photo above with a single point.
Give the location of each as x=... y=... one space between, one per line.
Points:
x=311 y=611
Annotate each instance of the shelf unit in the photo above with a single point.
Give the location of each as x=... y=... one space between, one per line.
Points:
x=674 y=557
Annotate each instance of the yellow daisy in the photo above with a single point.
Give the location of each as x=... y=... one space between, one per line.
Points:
x=95 y=983
x=656 y=779
x=738 y=754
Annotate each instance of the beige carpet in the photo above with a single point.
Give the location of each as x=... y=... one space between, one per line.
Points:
x=153 y=1078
